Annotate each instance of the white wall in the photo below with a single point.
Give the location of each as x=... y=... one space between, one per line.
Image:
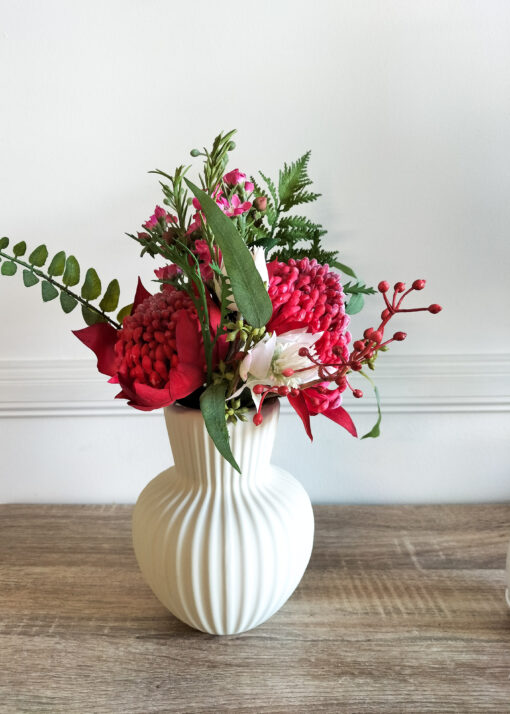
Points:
x=405 y=106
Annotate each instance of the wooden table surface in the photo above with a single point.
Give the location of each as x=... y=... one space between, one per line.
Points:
x=402 y=609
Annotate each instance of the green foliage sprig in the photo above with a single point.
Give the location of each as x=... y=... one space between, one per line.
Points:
x=68 y=270
x=295 y=236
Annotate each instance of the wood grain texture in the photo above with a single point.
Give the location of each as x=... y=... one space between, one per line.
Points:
x=401 y=610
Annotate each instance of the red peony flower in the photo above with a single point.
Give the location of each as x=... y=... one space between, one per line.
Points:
x=157 y=356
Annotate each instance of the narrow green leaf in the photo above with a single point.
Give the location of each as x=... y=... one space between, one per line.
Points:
x=90 y=316
x=67 y=302
x=126 y=310
x=212 y=405
x=110 y=299
x=48 y=291
x=19 y=249
x=9 y=268
x=39 y=256
x=91 y=288
x=250 y=294
x=4 y=242
x=58 y=264
x=355 y=304
x=344 y=268
x=29 y=278
x=375 y=431
x=71 y=272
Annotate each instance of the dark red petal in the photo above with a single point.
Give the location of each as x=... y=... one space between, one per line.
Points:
x=140 y=295
x=187 y=338
x=299 y=404
x=340 y=416
x=184 y=379
x=101 y=339
x=148 y=397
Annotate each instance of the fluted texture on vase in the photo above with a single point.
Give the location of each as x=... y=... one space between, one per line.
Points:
x=222 y=551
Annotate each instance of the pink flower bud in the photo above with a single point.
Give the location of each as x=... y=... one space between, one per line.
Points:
x=248 y=187
x=260 y=203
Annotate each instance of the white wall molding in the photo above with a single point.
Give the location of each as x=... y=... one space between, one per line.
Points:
x=413 y=383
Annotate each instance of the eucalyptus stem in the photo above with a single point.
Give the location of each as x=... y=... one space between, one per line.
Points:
x=60 y=286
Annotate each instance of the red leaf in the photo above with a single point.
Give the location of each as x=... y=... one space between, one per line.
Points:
x=101 y=339
x=299 y=404
x=341 y=416
x=140 y=295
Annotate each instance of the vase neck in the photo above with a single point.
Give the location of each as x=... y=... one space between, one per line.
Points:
x=197 y=459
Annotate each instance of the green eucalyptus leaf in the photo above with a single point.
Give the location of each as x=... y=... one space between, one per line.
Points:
x=48 y=291
x=4 y=242
x=91 y=288
x=355 y=304
x=212 y=405
x=9 y=268
x=71 y=272
x=126 y=310
x=67 y=302
x=39 y=256
x=58 y=264
x=250 y=294
x=344 y=268
x=29 y=278
x=110 y=299
x=19 y=249
x=375 y=431
x=90 y=316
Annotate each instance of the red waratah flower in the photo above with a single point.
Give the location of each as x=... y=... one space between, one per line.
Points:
x=157 y=356
x=306 y=294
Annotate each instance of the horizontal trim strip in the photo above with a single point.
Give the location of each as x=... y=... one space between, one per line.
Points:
x=417 y=383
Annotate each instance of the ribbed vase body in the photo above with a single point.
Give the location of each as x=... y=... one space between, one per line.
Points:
x=222 y=551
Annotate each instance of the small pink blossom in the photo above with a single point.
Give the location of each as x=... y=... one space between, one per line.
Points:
x=195 y=224
x=235 y=207
x=153 y=221
x=234 y=177
x=204 y=256
x=168 y=272
x=159 y=213
x=248 y=187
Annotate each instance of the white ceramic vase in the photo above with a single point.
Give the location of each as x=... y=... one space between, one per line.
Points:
x=222 y=551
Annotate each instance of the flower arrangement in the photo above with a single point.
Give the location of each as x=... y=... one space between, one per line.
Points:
x=250 y=305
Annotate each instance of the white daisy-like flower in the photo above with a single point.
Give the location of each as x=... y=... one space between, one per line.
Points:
x=276 y=361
